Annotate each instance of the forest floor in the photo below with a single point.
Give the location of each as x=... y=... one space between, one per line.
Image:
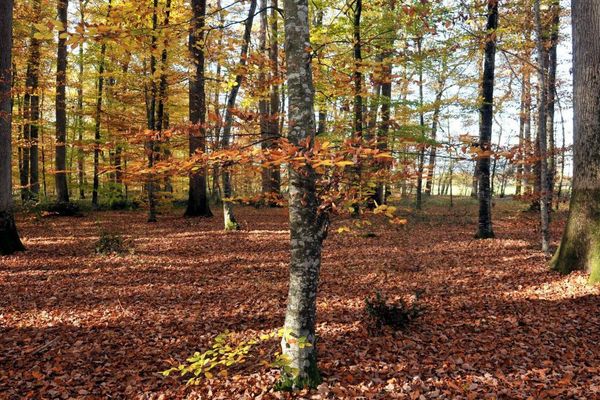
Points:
x=496 y=322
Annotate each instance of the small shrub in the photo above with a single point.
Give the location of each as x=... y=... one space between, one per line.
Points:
x=396 y=315
x=111 y=243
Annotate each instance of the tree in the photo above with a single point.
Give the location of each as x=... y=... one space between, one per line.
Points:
x=486 y=111
x=9 y=237
x=98 y=118
x=62 y=191
x=580 y=245
x=308 y=226
x=228 y=217
x=30 y=170
x=542 y=139
x=197 y=204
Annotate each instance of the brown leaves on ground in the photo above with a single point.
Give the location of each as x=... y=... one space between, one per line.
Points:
x=497 y=323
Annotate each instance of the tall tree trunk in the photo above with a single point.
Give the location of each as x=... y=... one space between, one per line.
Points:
x=98 y=118
x=523 y=168
x=307 y=226
x=274 y=98
x=486 y=112
x=552 y=66
x=434 y=126
x=357 y=78
x=421 y=156
x=579 y=248
x=151 y=145
x=198 y=204
x=162 y=116
x=80 y=152
x=9 y=237
x=542 y=139
x=228 y=217
x=264 y=102
x=382 y=133
x=60 y=177
x=29 y=172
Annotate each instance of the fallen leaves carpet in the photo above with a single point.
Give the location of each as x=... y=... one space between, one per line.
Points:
x=496 y=323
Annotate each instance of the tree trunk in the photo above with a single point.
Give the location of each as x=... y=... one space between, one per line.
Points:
x=552 y=66
x=29 y=172
x=269 y=180
x=382 y=138
x=421 y=156
x=228 y=217
x=151 y=146
x=80 y=152
x=60 y=177
x=542 y=139
x=485 y=131
x=274 y=98
x=434 y=126
x=198 y=204
x=9 y=237
x=98 y=117
x=357 y=78
x=579 y=248
x=307 y=225
x=523 y=169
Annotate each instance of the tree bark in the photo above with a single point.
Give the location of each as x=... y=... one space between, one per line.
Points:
x=580 y=245
x=9 y=237
x=552 y=66
x=198 y=204
x=98 y=117
x=60 y=177
x=274 y=98
x=228 y=217
x=307 y=225
x=421 y=156
x=486 y=112
x=29 y=177
x=80 y=152
x=269 y=175
x=542 y=134
x=382 y=133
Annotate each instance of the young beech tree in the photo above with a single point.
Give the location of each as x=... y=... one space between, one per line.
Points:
x=308 y=226
x=485 y=130
x=580 y=245
x=9 y=238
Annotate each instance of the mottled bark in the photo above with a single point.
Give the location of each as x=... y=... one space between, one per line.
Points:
x=197 y=204
x=580 y=245
x=228 y=217
x=60 y=177
x=486 y=112
x=307 y=225
x=9 y=237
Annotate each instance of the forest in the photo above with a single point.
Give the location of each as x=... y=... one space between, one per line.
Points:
x=299 y=199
